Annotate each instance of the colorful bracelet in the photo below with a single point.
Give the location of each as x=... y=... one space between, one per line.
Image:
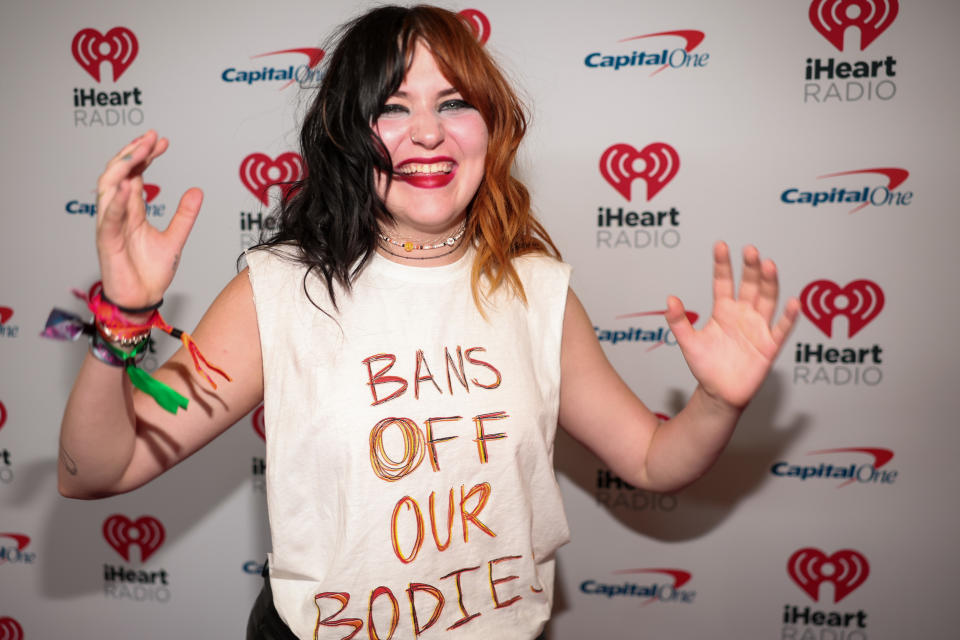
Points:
x=165 y=395
x=101 y=349
x=131 y=310
x=122 y=341
x=109 y=318
x=111 y=335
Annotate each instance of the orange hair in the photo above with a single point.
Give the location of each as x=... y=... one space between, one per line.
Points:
x=500 y=222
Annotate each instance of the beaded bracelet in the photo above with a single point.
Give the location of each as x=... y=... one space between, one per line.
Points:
x=110 y=336
x=102 y=351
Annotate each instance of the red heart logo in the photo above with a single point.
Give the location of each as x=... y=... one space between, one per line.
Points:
x=5 y=314
x=146 y=532
x=478 y=23
x=118 y=47
x=259 y=172
x=258 y=424
x=150 y=191
x=3 y=415
x=661 y=163
x=860 y=301
x=10 y=629
x=846 y=569
x=871 y=18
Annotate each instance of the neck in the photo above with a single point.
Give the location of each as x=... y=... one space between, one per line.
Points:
x=433 y=251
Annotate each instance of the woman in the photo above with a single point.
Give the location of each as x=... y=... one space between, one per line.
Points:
x=412 y=335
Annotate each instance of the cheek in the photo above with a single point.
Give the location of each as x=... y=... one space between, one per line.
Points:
x=472 y=137
x=390 y=132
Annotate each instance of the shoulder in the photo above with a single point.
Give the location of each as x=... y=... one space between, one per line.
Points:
x=274 y=256
x=537 y=270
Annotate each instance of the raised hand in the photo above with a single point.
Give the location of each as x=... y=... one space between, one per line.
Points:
x=732 y=354
x=137 y=260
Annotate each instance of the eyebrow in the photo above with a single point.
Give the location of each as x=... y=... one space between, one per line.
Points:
x=442 y=94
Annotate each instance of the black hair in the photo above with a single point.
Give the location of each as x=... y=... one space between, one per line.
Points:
x=331 y=213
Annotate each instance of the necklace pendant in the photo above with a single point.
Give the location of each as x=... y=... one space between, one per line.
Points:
x=408 y=246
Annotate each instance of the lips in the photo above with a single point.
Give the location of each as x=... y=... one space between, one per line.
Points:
x=426 y=173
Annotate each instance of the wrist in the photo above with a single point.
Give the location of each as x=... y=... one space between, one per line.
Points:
x=714 y=404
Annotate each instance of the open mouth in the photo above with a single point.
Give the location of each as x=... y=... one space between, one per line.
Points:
x=424 y=169
x=426 y=173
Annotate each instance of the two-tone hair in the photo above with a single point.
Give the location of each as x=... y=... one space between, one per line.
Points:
x=332 y=213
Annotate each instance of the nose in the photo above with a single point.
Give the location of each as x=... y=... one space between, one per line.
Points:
x=426 y=130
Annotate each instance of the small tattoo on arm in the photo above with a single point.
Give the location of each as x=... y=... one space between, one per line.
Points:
x=176 y=261
x=68 y=462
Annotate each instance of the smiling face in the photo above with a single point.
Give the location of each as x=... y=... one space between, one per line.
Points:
x=437 y=144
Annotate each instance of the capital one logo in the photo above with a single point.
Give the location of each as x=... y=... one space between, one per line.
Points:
x=478 y=24
x=832 y=18
x=691 y=37
x=846 y=569
x=259 y=172
x=21 y=541
x=880 y=457
x=679 y=576
x=118 y=46
x=121 y=533
x=656 y=164
x=150 y=192
x=859 y=301
x=10 y=629
x=258 y=424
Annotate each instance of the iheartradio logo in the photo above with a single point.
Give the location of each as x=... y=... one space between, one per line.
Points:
x=118 y=46
x=832 y=18
x=656 y=164
x=478 y=23
x=258 y=425
x=145 y=532
x=3 y=415
x=859 y=301
x=846 y=569
x=10 y=629
x=259 y=172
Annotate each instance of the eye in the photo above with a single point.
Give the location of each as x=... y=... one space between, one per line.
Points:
x=455 y=104
x=392 y=109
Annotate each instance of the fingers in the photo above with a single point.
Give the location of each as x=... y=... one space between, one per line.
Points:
x=785 y=324
x=750 y=280
x=678 y=321
x=186 y=214
x=768 y=288
x=120 y=186
x=722 y=272
x=759 y=284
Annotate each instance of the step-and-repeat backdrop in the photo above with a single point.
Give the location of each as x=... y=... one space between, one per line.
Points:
x=824 y=132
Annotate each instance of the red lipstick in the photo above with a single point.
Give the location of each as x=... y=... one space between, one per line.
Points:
x=427 y=176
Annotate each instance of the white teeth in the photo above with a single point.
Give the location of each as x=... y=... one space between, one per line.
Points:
x=412 y=168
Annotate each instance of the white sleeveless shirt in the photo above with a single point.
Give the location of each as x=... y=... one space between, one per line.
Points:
x=410 y=479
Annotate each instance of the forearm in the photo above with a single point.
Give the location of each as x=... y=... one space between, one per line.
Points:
x=683 y=449
x=98 y=432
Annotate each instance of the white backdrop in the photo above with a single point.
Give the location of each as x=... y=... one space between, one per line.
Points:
x=742 y=137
